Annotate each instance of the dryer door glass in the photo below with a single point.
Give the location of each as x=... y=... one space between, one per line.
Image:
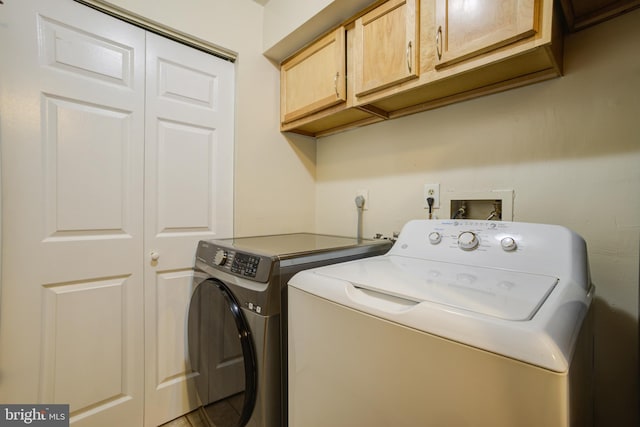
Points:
x=222 y=354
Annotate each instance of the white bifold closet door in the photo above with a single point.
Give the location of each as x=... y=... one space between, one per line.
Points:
x=188 y=197
x=117 y=152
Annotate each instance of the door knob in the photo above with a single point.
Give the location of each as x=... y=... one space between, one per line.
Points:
x=155 y=255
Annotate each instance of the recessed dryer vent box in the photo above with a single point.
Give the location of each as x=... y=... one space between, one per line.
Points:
x=496 y=205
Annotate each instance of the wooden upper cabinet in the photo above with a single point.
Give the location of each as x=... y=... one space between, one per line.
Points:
x=315 y=78
x=468 y=28
x=386 y=50
x=407 y=56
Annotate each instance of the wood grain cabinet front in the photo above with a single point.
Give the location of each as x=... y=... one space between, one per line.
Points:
x=386 y=49
x=408 y=56
x=315 y=78
x=468 y=28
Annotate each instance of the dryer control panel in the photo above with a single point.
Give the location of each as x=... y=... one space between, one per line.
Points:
x=249 y=266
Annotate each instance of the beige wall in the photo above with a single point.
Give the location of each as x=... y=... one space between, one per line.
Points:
x=274 y=176
x=570 y=150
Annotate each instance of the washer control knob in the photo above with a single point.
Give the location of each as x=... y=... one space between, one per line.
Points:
x=435 y=237
x=508 y=244
x=468 y=240
x=220 y=258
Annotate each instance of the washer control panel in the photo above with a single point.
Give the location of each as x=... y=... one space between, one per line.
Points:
x=497 y=244
x=248 y=266
x=507 y=245
x=548 y=249
x=473 y=235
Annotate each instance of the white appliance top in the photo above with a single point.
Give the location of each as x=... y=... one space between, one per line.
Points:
x=503 y=294
x=516 y=289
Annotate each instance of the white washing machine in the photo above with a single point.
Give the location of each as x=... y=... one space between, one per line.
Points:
x=461 y=323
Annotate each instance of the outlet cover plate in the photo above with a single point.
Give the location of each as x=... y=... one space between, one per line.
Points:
x=431 y=190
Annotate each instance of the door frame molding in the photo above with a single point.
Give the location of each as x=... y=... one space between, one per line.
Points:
x=160 y=29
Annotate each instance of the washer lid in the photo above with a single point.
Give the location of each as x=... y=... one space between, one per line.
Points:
x=507 y=295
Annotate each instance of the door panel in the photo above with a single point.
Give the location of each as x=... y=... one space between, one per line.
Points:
x=188 y=197
x=173 y=292
x=180 y=83
x=190 y=150
x=72 y=134
x=77 y=52
x=99 y=304
x=86 y=168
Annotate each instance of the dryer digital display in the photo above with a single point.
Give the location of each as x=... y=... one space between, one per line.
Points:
x=245 y=265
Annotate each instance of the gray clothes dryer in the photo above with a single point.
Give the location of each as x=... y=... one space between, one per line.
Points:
x=237 y=320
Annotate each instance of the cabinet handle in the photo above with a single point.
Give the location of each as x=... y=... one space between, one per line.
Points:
x=335 y=84
x=409 y=61
x=439 y=42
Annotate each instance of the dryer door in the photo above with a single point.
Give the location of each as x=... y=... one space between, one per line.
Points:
x=221 y=352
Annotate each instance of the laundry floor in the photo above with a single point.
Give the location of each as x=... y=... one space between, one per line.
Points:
x=225 y=412
x=192 y=419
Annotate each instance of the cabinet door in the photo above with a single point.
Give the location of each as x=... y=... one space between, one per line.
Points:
x=314 y=79
x=386 y=51
x=467 y=28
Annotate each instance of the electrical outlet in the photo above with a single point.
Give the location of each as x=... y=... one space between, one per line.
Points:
x=431 y=190
x=365 y=194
